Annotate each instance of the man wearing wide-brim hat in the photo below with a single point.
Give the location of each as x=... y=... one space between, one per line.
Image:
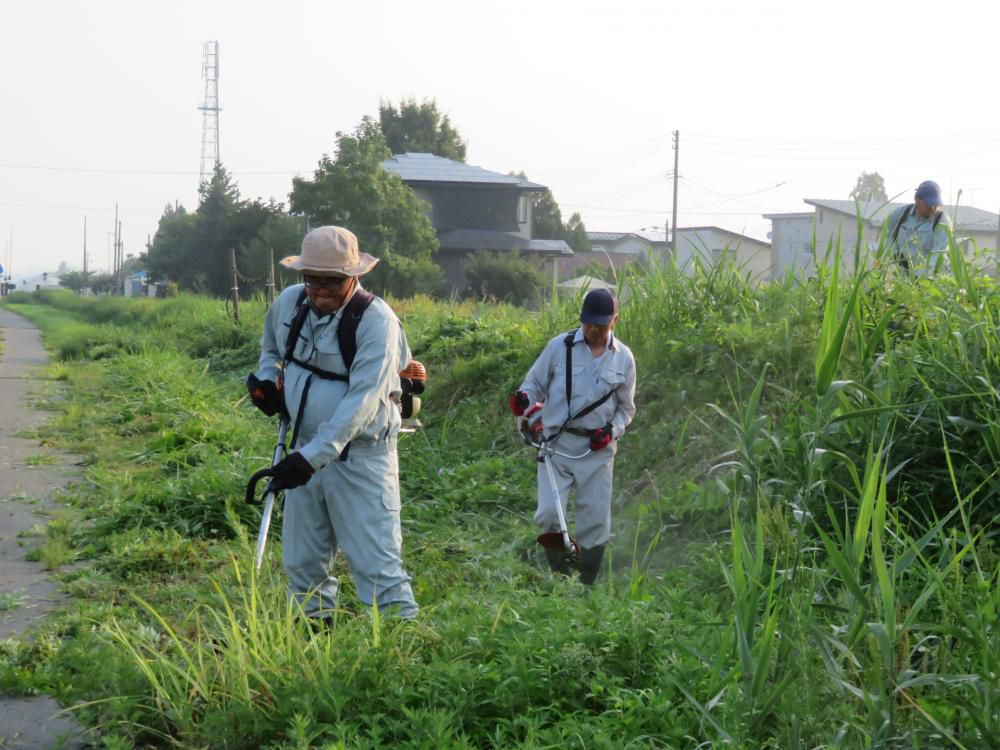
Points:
x=342 y=476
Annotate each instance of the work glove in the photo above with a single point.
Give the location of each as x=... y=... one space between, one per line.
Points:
x=600 y=438
x=519 y=401
x=265 y=395
x=532 y=430
x=292 y=471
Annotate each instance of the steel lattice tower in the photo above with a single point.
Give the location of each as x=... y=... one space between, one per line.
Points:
x=210 y=112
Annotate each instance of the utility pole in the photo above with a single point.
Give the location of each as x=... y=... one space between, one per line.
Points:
x=119 y=257
x=673 y=217
x=113 y=261
x=85 y=243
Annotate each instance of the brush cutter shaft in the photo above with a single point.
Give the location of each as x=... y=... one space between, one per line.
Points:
x=563 y=529
x=265 y=527
x=270 y=492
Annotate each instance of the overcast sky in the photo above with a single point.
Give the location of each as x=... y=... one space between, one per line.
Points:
x=775 y=102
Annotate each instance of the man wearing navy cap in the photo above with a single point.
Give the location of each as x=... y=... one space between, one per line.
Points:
x=918 y=233
x=588 y=409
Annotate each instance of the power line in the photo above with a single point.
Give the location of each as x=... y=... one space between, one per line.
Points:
x=652 y=143
x=935 y=139
x=79 y=208
x=91 y=170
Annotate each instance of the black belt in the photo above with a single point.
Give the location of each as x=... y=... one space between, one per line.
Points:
x=578 y=431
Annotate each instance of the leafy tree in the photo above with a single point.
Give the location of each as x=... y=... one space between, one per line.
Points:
x=193 y=249
x=419 y=128
x=869 y=187
x=280 y=238
x=173 y=246
x=503 y=276
x=575 y=234
x=547 y=223
x=354 y=190
x=102 y=283
x=76 y=280
x=546 y=218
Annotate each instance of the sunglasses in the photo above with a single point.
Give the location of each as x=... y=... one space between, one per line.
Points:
x=326 y=282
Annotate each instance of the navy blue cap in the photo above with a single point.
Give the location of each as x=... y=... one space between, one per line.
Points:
x=930 y=192
x=599 y=307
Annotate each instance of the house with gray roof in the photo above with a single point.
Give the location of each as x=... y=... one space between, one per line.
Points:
x=708 y=244
x=636 y=244
x=472 y=209
x=833 y=220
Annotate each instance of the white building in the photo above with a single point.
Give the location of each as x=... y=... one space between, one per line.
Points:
x=44 y=280
x=751 y=256
x=836 y=221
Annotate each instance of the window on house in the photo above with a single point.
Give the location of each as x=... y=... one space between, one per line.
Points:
x=522 y=209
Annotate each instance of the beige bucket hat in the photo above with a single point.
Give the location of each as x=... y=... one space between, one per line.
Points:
x=331 y=251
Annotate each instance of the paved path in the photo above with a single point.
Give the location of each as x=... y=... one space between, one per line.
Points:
x=25 y=501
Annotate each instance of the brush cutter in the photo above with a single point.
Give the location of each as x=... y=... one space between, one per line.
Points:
x=413 y=380
x=558 y=540
x=270 y=492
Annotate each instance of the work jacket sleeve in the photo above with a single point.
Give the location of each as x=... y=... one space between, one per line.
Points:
x=374 y=380
x=939 y=241
x=271 y=352
x=624 y=400
x=536 y=382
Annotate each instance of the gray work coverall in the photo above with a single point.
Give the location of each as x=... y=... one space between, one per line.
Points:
x=350 y=504
x=614 y=370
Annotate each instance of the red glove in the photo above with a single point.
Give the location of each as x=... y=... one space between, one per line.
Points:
x=519 y=402
x=265 y=395
x=600 y=438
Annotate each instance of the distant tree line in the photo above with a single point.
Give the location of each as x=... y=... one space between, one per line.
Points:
x=349 y=188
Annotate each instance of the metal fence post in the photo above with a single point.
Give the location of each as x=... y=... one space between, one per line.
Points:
x=236 y=287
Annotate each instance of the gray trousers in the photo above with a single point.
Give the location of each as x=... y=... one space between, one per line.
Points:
x=353 y=506
x=591 y=477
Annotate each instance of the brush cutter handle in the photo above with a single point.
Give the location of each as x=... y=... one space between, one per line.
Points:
x=251 y=496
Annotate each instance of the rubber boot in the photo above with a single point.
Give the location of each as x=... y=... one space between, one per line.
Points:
x=590 y=564
x=558 y=561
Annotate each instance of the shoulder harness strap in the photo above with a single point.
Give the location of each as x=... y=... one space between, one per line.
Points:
x=347 y=332
x=570 y=338
x=903 y=217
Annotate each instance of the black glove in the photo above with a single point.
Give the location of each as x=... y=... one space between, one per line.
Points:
x=292 y=471
x=265 y=395
x=600 y=438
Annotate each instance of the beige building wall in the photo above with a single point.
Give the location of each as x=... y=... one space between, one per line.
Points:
x=753 y=256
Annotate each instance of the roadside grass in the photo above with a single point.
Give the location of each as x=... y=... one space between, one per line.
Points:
x=41 y=459
x=11 y=600
x=805 y=532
